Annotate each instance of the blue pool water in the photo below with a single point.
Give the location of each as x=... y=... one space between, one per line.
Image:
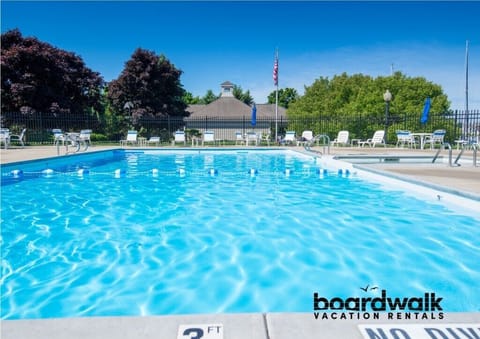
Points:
x=161 y=233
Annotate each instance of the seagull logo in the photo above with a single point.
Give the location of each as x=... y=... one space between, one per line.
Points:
x=366 y=289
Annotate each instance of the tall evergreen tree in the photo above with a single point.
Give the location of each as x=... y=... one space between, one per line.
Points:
x=242 y=96
x=209 y=97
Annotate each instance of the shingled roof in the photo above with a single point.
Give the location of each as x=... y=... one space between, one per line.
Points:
x=230 y=107
x=227 y=106
x=268 y=110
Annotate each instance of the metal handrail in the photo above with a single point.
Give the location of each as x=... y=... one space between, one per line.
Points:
x=324 y=137
x=459 y=155
x=75 y=140
x=475 y=149
x=442 y=147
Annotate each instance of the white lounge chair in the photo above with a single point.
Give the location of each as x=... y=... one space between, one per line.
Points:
x=405 y=138
x=179 y=136
x=131 y=138
x=19 y=137
x=306 y=137
x=153 y=140
x=436 y=138
x=208 y=136
x=377 y=139
x=341 y=139
x=289 y=138
x=5 y=137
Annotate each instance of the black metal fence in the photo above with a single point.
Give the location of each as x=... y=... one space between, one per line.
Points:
x=39 y=126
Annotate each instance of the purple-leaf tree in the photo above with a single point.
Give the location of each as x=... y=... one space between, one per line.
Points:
x=149 y=86
x=37 y=77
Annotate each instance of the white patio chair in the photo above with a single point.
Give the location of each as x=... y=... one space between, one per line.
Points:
x=131 y=138
x=405 y=138
x=20 y=138
x=306 y=137
x=436 y=138
x=85 y=136
x=377 y=139
x=153 y=140
x=208 y=136
x=58 y=136
x=179 y=136
x=341 y=139
x=5 y=137
x=289 y=138
x=252 y=137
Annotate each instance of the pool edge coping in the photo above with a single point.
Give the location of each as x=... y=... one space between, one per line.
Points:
x=235 y=326
x=464 y=194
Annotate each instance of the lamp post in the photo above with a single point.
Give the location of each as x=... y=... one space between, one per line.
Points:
x=128 y=107
x=387 y=97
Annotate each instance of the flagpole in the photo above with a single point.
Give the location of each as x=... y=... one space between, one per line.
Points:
x=276 y=114
x=276 y=94
x=466 y=129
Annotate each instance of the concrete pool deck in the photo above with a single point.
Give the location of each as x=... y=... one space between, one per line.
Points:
x=240 y=326
x=465 y=178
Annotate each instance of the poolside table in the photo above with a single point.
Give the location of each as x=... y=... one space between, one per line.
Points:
x=422 y=136
x=142 y=141
x=356 y=142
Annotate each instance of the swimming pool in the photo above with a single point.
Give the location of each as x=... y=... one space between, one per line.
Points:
x=178 y=232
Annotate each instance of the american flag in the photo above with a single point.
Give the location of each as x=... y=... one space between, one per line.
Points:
x=275 y=71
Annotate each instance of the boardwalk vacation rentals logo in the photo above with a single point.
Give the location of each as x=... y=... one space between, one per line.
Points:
x=424 y=307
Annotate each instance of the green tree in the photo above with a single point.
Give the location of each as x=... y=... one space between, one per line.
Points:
x=356 y=104
x=242 y=96
x=189 y=99
x=237 y=93
x=209 y=97
x=286 y=96
x=149 y=85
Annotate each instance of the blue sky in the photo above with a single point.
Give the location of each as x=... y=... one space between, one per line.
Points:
x=215 y=41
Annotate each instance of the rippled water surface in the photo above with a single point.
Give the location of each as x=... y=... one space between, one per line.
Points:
x=186 y=239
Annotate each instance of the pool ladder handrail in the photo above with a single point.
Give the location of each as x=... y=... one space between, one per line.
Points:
x=442 y=147
x=475 y=149
x=455 y=163
x=316 y=138
x=74 y=140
